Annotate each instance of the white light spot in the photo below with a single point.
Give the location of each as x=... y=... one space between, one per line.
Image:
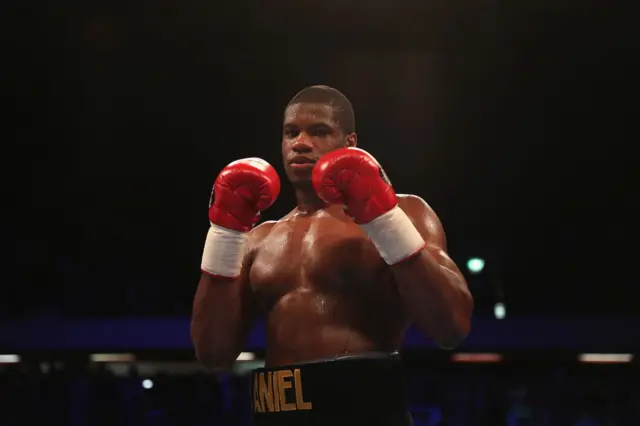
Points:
x=475 y=265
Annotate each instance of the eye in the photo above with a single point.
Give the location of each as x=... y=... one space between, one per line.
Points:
x=291 y=133
x=320 y=133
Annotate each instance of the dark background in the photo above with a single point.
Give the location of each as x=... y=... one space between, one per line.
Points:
x=509 y=118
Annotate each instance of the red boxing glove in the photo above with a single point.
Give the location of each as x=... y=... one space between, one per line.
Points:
x=352 y=177
x=241 y=191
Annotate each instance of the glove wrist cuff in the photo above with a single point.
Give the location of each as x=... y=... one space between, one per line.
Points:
x=223 y=252
x=394 y=236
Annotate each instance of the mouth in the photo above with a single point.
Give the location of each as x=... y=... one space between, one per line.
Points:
x=301 y=162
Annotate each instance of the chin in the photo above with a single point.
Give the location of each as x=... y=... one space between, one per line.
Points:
x=299 y=176
x=300 y=181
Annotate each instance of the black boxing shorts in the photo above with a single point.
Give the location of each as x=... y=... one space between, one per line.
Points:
x=366 y=389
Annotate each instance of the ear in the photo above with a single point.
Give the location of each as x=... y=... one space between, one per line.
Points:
x=351 y=140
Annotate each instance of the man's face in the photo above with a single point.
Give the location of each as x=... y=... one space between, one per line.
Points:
x=309 y=132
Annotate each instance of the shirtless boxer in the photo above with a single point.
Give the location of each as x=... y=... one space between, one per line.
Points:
x=338 y=279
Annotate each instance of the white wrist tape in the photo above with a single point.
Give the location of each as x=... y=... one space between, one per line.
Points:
x=394 y=236
x=223 y=252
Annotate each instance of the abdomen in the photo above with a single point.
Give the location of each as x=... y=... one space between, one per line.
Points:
x=306 y=325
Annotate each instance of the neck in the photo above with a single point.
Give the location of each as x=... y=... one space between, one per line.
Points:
x=307 y=200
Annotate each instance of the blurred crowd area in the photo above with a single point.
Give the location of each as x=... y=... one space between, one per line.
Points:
x=458 y=395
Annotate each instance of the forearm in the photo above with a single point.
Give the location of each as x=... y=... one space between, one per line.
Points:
x=218 y=321
x=436 y=298
x=223 y=304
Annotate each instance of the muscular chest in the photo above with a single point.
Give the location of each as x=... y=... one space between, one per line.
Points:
x=324 y=254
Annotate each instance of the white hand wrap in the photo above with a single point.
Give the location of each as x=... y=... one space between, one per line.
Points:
x=223 y=252
x=394 y=236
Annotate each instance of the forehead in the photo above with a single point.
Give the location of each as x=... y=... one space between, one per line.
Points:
x=308 y=113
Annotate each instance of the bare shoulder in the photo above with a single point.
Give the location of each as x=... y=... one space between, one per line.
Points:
x=423 y=217
x=414 y=205
x=260 y=232
x=255 y=238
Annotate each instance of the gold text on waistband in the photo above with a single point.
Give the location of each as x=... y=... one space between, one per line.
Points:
x=269 y=391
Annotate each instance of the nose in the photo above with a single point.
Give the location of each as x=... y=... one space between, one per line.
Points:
x=302 y=145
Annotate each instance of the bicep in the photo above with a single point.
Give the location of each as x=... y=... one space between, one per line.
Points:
x=443 y=259
x=230 y=303
x=218 y=292
x=245 y=293
x=430 y=228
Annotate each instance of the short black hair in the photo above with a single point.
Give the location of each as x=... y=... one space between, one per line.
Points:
x=342 y=109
